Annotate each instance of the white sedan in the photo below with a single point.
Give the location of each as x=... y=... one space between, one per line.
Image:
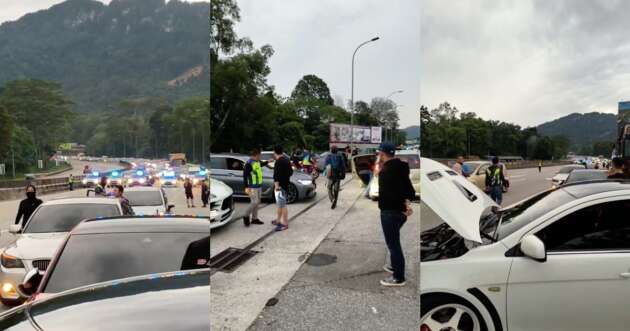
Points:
x=559 y=260
x=148 y=200
x=221 y=203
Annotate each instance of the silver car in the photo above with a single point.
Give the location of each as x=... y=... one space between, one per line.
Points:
x=228 y=168
x=34 y=246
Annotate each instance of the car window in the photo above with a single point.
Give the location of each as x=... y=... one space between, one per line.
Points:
x=144 y=198
x=412 y=160
x=482 y=169
x=603 y=226
x=92 y=258
x=64 y=217
x=235 y=164
x=579 y=176
x=217 y=163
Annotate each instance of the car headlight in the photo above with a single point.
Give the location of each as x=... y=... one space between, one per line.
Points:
x=305 y=181
x=84 y=181
x=10 y=261
x=141 y=180
x=109 y=181
x=130 y=181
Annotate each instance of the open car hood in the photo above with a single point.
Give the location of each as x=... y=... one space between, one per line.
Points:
x=452 y=197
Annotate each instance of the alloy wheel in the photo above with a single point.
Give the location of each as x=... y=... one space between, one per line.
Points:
x=450 y=317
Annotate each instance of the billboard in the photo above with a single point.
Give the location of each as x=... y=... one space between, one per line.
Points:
x=342 y=133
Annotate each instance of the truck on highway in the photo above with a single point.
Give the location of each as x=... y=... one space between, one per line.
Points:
x=177 y=159
x=622 y=145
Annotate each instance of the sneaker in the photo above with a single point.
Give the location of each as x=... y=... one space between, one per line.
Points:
x=257 y=221
x=391 y=281
x=388 y=268
x=281 y=227
x=246 y=220
x=274 y=222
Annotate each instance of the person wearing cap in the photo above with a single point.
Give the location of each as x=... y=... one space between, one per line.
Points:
x=395 y=195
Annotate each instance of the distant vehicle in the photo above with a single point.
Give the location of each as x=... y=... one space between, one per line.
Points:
x=177 y=159
x=158 y=244
x=34 y=246
x=582 y=175
x=138 y=177
x=116 y=178
x=563 y=174
x=412 y=158
x=228 y=168
x=475 y=171
x=198 y=176
x=168 y=178
x=148 y=200
x=91 y=178
x=157 y=302
x=221 y=204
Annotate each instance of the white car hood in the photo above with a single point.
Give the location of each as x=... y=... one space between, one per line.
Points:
x=560 y=177
x=148 y=210
x=29 y=246
x=219 y=190
x=452 y=197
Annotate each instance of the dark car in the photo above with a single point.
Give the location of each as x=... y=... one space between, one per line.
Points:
x=582 y=175
x=166 y=301
x=228 y=168
x=101 y=250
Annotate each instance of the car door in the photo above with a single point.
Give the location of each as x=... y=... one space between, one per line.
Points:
x=585 y=282
x=234 y=174
x=218 y=168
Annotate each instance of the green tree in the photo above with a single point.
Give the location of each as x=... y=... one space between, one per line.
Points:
x=6 y=131
x=312 y=87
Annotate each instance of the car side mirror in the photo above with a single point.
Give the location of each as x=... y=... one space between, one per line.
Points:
x=15 y=228
x=31 y=282
x=534 y=248
x=169 y=208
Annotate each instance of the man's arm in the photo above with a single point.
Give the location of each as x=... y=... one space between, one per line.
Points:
x=20 y=213
x=246 y=174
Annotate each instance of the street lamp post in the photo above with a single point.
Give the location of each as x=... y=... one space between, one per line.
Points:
x=352 y=92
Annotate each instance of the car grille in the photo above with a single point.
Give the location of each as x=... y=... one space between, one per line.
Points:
x=41 y=264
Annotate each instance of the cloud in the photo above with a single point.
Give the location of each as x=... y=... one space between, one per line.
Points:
x=525 y=61
x=319 y=37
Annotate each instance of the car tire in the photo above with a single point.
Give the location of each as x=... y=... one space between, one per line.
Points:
x=292 y=194
x=436 y=310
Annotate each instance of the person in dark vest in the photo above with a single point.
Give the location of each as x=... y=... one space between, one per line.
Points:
x=27 y=206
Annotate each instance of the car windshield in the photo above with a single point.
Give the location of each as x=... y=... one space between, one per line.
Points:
x=528 y=210
x=412 y=160
x=93 y=258
x=144 y=198
x=580 y=176
x=64 y=217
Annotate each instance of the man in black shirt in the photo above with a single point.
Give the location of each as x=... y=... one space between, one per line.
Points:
x=28 y=205
x=395 y=195
x=282 y=172
x=617 y=171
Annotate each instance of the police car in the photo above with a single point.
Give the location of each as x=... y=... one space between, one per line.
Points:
x=168 y=178
x=137 y=177
x=91 y=179
x=115 y=178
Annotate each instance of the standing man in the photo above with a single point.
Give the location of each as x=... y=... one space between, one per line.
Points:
x=336 y=171
x=539 y=166
x=281 y=174
x=27 y=206
x=188 y=187
x=396 y=193
x=617 y=171
x=458 y=167
x=495 y=180
x=124 y=203
x=70 y=182
x=205 y=192
x=99 y=188
x=307 y=162
x=253 y=179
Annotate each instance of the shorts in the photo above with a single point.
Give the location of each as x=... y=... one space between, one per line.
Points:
x=281 y=198
x=189 y=195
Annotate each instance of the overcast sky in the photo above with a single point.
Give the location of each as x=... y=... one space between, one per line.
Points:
x=525 y=61
x=319 y=36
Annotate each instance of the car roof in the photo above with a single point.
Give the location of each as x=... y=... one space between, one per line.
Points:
x=407 y=152
x=84 y=200
x=177 y=302
x=141 y=188
x=119 y=224
x=583 y=189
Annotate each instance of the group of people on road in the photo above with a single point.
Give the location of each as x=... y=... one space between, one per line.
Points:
x=190 y=197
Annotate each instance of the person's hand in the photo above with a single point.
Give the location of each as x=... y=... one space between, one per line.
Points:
x=408 y=211
x=248 y=191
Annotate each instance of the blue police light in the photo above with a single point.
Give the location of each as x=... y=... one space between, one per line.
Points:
x=139 y=172
x=94 y=173
x=115 y=173
x=202 y=172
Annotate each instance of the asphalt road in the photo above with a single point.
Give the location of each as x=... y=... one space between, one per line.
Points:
x=523 y=183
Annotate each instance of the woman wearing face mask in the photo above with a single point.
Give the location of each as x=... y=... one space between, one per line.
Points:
x=28 y=205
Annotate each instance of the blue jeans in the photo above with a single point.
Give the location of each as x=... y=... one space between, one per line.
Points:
x=392 y=221
x=496 y=193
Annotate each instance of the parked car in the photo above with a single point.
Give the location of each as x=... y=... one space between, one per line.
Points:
x=228 y=168
x=540 y=264
x=475 y=171
x=116 y=178
x=582 y=175
x=412 y=158
x=563 y=174
x=221 y=203
x=34 y=246
x=148 y=200
x=91 y=178
x=157 y=302
x=168 y=178
x=92 y=252
x=138 y=177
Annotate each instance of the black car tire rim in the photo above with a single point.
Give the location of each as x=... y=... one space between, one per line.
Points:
x=292 y=194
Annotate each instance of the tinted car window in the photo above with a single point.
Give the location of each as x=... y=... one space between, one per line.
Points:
x=600 y=227
x=528 y=210
x=412 y=160
x=580 y=176
x=93 y=258
x=62 y=218
x=217 y=163
x=144 y=198
x=235 y=164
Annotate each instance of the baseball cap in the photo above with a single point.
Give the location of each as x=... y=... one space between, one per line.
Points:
x=387 y=148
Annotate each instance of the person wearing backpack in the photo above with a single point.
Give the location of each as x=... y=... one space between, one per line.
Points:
x=335 y=171
x=495 y=180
